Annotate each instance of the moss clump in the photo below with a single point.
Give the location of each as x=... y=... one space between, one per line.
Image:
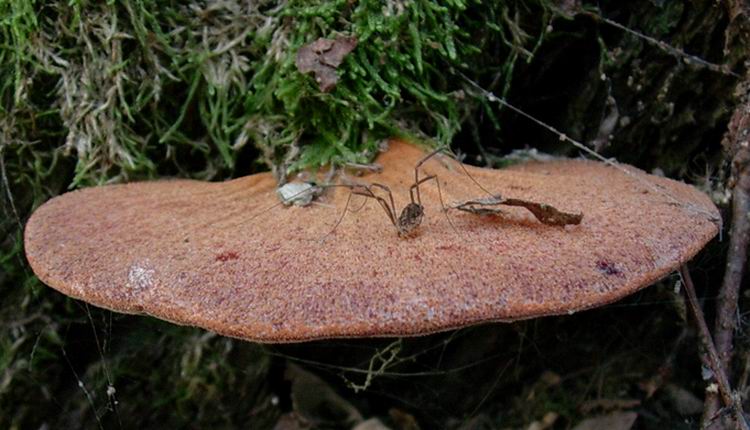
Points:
x=135 y=87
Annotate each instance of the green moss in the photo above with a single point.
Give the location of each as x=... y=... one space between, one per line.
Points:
x=130 y=84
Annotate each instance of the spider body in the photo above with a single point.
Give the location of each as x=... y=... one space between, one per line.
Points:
x=410 y=219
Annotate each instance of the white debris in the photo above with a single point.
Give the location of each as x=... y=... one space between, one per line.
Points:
x=297 y=193
x=140 y=276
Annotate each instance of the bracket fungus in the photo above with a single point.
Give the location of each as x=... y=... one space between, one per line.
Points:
x=226 y=257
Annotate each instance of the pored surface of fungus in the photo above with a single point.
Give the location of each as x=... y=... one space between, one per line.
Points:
x=226 y=257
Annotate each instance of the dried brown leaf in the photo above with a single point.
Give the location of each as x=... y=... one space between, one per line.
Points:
x=403 y=420
x=545 y=213
x=322 y=57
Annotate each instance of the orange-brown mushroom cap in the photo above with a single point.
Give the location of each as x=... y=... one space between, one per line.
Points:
x=225 y=257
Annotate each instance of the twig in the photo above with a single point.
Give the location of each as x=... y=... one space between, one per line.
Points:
x=739 y=234
x=737 y=145
x=545 y=213
x=725 y=390
x=745 y=376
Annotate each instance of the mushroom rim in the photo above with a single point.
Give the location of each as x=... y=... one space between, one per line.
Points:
x=645 y=280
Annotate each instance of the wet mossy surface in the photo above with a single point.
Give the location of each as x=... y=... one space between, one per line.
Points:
x=101 y=92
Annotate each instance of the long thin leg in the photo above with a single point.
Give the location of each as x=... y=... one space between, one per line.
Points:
x=365 y=191
x=440 y=196
x=416 y=187
x=343 y=213
x=416 y=172
x=364 y=202
x=450 y=153
x=466 y=172
x=382 y=201
x=390 y=196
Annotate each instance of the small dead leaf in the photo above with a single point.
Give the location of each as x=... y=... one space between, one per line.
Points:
x=545 y=423
x=613 y=421
x=403 y=420
x=545 y=213
x=323 y=57
x=371 y=424
x=316 y=402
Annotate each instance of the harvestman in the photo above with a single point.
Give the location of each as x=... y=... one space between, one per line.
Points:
x=410 y=218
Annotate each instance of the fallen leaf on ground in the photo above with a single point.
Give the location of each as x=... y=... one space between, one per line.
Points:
x=613 y=421
x=314 y=401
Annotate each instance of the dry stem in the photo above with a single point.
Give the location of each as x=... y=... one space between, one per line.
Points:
x=725 y=390
x=737 y=145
